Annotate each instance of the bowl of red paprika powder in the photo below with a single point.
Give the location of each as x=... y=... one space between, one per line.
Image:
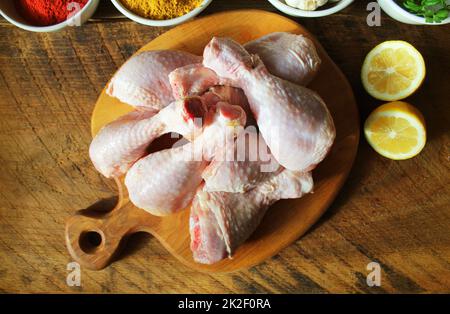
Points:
x=47 y=15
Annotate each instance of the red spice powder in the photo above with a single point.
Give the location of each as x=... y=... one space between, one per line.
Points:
x=46 y=12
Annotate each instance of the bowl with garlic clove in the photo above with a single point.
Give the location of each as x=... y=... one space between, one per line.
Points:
x=310 y=8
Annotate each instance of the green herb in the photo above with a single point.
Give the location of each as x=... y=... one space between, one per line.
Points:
x=434 y=11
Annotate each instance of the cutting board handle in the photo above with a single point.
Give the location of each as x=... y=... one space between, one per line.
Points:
x=94 y=235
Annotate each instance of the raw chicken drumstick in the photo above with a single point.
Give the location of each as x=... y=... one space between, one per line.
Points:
x=293 y=120
x=291 y=57
x=122 y=142
x=165 y=182
x=143 y=80
x=220 y=221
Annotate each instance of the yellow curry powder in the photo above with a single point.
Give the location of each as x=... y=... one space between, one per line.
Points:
x=161 y=9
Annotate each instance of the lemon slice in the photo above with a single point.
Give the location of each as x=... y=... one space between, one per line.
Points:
x=396 y=130
x=393 y=70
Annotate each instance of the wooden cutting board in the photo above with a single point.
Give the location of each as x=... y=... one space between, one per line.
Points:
x=93 y=236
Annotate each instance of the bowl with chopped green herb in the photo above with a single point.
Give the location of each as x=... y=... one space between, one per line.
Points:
x=419 y=12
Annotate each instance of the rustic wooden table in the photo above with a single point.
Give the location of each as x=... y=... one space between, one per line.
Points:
x=394 y=213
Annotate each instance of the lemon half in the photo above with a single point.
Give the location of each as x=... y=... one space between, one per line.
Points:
x=393 y=70
x=396 y=130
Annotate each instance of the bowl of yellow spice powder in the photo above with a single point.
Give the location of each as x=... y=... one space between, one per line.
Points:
x=160 y=12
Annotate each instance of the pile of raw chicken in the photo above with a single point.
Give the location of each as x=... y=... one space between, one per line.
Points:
x=260 y=84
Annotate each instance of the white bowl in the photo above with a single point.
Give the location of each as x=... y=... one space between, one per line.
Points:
x=398 y=13
x=142 y=20
x=9 y=12
x=337 y=6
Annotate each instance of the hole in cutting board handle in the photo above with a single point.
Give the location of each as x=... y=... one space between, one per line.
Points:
x=90 y=241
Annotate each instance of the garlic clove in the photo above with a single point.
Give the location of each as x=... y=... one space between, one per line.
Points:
x=308 y=5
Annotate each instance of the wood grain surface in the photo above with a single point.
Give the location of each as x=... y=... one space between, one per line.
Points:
x=394 y=213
